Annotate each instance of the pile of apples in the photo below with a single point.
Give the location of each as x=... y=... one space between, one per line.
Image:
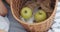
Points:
x=27 y=13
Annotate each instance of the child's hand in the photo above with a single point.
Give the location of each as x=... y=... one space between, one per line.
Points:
x=3 y=9
x=8 y=1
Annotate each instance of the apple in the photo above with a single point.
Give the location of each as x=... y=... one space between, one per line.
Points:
x=26 y=12
x=40 y=16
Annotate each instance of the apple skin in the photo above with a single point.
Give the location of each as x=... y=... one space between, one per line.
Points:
x=26 y=13
x=40 y=16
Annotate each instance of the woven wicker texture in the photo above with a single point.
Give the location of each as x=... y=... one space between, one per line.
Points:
x=16 y=6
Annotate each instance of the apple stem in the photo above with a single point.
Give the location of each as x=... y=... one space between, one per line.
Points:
x=25 y=11
x=39 y=8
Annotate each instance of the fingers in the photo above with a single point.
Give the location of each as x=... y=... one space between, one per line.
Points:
x=3 y=9
x=8 y=1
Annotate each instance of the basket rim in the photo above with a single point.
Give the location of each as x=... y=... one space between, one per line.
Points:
x=34 y=23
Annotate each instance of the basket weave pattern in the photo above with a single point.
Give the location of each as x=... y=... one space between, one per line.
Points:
x=16 y=6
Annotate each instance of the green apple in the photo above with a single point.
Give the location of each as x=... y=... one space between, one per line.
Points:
x=26 y=12
x=40 y=16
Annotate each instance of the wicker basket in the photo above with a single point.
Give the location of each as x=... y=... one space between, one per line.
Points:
x=16 y=6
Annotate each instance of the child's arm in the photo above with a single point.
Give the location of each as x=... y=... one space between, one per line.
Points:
x=4 y=25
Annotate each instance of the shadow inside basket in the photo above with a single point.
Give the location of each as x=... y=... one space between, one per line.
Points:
x=46 y=5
